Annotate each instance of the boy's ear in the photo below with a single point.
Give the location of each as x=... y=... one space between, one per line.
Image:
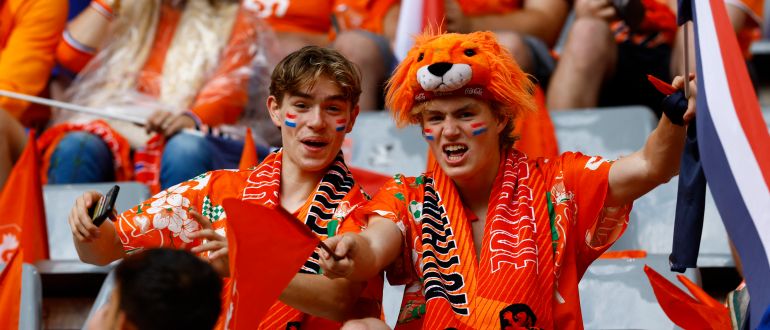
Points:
x=353 y=115
x=274 y=108
x=502 y=121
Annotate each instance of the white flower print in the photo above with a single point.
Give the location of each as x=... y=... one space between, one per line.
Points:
x=202 y=180
x=142 y=222
x=188 y=227
x=169 y=209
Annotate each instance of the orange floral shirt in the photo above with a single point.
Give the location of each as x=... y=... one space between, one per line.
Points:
x=546 y=223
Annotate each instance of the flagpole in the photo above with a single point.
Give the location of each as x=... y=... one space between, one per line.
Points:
x=686 y=59
x=72 y=107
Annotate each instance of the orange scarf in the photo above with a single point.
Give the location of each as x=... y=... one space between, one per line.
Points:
x=335 y=196
x=517 y=268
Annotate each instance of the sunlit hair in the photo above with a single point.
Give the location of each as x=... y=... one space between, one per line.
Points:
x=300 y=70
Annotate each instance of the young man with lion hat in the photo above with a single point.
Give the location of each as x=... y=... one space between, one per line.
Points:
x=488 y=238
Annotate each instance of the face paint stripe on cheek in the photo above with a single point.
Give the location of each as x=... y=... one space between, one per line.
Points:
x=478 y=128
x=341 y=125
x=291 y=120
x=428 y=134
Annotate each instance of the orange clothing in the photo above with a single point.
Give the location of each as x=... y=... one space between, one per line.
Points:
x=751 y=30
x=221 y=100
x=363 y=14
x=29 y=32
x=657 y=28
x=164 y=220
x=545 y=224
x=300 y=16
x=487 y=7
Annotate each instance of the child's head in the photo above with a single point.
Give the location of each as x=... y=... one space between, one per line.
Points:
x=162 y=289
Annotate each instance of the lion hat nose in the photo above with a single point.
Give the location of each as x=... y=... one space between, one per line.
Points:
x=440 y=68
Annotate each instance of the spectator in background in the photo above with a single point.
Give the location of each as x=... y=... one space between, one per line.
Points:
x=609 y=53
x=162 y=289
x=180 y=64
x=366 y=31
x=29 y=32
x=361 y=30
x=527 y=28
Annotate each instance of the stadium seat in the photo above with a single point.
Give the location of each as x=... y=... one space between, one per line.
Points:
x=615 y=294
x=31 y=309
x=376 y=144
x=103 y=297
x=614 y=132
x=59 y=199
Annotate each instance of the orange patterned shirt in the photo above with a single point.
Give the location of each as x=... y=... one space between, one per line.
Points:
x=546 y=223
x=164 y=219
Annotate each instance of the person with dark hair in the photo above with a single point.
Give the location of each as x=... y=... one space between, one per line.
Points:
x=162 y=289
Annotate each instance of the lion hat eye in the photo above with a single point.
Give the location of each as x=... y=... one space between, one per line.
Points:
x=420 y=57
x=469 y=52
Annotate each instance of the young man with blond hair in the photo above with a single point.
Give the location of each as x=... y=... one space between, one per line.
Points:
x=488 y=238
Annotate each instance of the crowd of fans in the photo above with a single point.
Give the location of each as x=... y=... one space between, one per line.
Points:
x=197 y=72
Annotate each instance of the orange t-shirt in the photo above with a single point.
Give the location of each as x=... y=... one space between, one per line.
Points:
x=535 y=249
x=29 y=33
x=303 y=16
x=476 y=7
x=164 y=220
x=362 y=14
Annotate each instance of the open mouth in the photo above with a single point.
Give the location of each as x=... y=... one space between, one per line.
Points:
x=314 y=143
x=455 y=152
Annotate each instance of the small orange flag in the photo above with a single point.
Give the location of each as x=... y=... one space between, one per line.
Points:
x=249 y=157
x=23 y=221
x=10 y=291
x=267 y=247
x=701 y=312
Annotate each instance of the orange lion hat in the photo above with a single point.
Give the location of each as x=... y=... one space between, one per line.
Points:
x=452 y=64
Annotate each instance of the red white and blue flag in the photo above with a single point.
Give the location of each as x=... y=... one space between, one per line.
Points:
x=733 y=144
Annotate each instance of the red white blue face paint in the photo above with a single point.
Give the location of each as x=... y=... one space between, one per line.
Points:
x=291 y=120
x=428 y=134
x=341 y=125
x=478 y=128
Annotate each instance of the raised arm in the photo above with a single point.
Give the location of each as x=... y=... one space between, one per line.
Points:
x=656 y=163
x=366 y=254
x=95 y=245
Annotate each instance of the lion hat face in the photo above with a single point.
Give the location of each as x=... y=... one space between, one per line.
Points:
x=452 y=64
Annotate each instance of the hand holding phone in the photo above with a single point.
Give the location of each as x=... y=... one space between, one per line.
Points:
x=104 y=208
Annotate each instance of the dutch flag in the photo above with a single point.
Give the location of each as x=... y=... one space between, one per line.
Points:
x=733 y=145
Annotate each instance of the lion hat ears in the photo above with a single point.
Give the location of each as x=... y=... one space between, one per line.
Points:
x=452 y=64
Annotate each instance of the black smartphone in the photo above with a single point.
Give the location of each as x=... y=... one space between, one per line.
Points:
x=104 y=208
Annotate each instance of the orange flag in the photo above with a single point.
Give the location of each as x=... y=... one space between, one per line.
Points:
x=702 y=312
x=370 y=181
x=10 y=291
x=249 y=157
x=23 y=221
x=267 y=247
